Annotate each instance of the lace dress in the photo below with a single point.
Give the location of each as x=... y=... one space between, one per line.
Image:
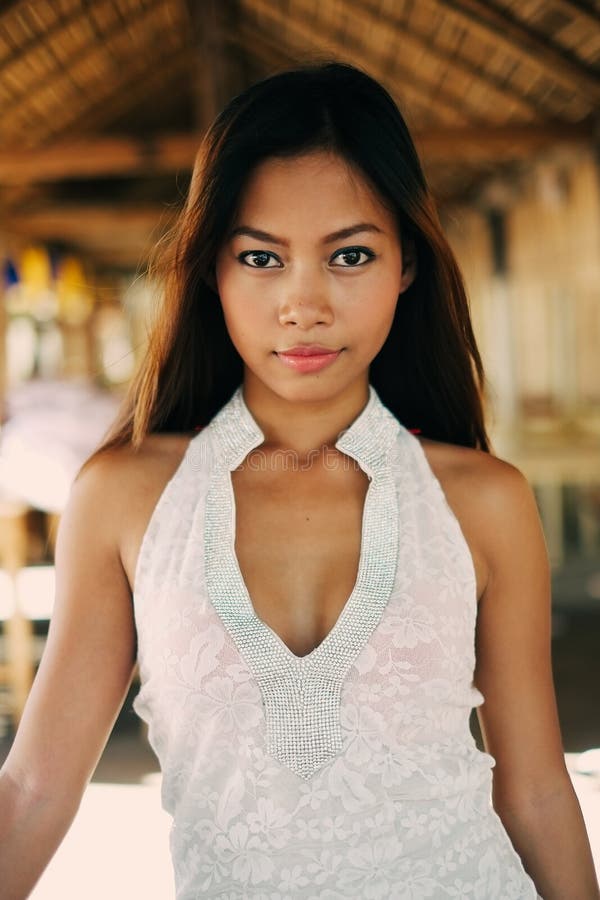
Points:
x=347 y=773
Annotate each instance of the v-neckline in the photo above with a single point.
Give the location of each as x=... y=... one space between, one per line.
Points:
x=368 y=441
x=245 y=593
x=302 y=694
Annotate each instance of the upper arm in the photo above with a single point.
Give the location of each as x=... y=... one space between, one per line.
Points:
x=519 y=718
x=89 y=655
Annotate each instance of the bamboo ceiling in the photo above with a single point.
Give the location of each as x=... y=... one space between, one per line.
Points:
x=102 y=101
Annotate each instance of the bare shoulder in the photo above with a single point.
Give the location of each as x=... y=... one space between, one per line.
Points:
x=487 y=494
x=466 y=467
x=119 y=475
x=124 y=485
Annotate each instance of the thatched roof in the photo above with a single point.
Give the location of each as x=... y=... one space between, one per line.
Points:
x=102 y=101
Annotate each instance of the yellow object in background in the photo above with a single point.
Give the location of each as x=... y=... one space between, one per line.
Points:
x=75 y=301
x=36 y=270
x=35 y=293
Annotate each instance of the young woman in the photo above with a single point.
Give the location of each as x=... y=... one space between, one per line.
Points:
x=298 y=529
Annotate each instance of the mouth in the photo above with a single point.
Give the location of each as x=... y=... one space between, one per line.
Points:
x=308 y=358
x=307 y=350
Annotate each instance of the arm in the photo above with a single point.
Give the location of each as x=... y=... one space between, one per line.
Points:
x=85 y=671
x=532 y=791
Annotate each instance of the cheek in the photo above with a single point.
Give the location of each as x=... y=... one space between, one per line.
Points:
x=244 y=325
x=376 y=309
x=235 y=321
x=240 y=295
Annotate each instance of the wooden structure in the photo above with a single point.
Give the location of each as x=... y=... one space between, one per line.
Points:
x=103 y=103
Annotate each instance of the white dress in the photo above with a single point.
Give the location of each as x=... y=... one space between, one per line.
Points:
x=347 y=773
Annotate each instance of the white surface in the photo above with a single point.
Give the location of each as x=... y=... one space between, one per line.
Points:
x=117 y=848
x=34 y=585
x=588 y=792
x=52 y=427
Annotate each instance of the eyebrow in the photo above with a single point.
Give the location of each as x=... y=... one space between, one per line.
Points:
x=328 y=239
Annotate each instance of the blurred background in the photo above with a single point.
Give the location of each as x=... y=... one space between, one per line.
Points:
x=102 y=107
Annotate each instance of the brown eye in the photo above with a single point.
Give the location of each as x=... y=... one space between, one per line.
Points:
x=352 y=255
x=260 y=259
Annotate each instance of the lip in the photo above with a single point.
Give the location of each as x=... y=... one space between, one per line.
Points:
x=308 y=350
x=308 y=358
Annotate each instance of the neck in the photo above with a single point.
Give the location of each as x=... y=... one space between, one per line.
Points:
x=301 y=426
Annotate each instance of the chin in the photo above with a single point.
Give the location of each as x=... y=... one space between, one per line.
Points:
x=311 y=389
x=294 y=387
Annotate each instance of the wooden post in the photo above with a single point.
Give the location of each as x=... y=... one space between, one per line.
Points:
x=216 y=72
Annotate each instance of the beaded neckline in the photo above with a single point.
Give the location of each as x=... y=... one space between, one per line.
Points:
x=367 y=439
x=301 y=694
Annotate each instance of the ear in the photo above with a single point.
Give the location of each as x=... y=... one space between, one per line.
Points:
x=409 y=264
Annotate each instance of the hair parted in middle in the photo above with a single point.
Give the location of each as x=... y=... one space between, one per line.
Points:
x=428 y=373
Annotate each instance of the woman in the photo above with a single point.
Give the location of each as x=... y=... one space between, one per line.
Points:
x=304 y=579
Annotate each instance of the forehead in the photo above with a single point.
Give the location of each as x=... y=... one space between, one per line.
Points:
x=319 y=184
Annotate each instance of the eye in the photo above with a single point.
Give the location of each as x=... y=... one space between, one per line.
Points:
x=351 y=256
x=261 y=259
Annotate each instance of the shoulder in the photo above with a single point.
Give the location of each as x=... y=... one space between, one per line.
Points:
x=491 y=498
x=119 y=472
x=493 y=481
x=121 y=486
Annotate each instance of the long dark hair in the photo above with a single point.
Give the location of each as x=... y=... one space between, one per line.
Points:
x=429 y=371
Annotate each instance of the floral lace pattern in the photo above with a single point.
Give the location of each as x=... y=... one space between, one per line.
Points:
x=400 y=805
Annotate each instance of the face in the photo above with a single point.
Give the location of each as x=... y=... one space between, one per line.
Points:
x=313 y=259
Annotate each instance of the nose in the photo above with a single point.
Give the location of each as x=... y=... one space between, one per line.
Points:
x=305 y=303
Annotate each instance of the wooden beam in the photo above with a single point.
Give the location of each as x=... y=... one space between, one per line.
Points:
x=88 y=217
x=123 y=96
x=98 y=157
x=106 y=226
x=102 y=156
x=475 y=145
x=498 y=25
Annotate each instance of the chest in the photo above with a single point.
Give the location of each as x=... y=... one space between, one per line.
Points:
x=298 y=546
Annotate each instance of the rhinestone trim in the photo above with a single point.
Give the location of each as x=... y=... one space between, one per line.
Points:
x=301 y=695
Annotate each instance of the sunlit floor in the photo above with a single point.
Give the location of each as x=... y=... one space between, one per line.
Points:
x=117 y=848
x=118 y=844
